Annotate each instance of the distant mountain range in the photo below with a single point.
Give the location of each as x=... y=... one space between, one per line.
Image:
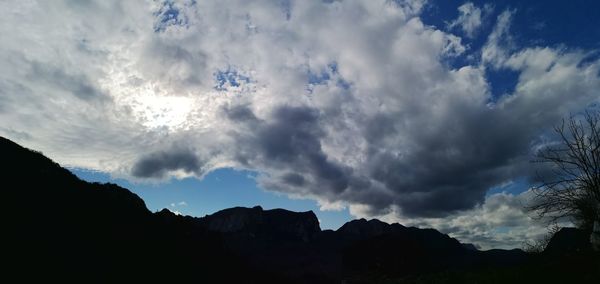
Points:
x=58 y=227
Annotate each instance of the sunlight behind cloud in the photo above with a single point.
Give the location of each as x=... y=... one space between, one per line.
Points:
x=159 y=111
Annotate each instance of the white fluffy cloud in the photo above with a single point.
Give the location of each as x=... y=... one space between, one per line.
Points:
x=346 y=102
x=470 y=18
x=501 y=221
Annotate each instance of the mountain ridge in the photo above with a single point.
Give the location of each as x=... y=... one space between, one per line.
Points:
x=106 y=230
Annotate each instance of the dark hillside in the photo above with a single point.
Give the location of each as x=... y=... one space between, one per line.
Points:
x=57 y=227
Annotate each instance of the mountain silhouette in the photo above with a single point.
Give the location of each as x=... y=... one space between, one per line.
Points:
x=58 y=227
x=256 y=222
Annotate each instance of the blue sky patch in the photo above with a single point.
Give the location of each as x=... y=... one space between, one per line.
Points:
x=534 y=23
x=229 y=78
x=324 y=76
x=220 y=189
x=512 y=187
x=503 y=82
x=318 y=78
x=169 y=15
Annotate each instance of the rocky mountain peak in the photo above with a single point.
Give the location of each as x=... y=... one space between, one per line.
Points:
x=256 y=221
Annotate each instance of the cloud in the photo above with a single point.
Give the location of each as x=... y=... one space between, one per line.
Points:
x=350 y=103
x=500 y=42
x=287 y=143
x=54 y=78
x=180 y=203
x=501 y=221
x=470 y=18
x=158 y=164
x=176 y=212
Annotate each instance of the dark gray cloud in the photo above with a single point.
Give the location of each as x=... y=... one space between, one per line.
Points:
x=78 y=85
x=293 y=140
x=453 y=165
x=159 y=164
x=448 y=168
x=290 y=139
x=293 y=179
x=239 y=113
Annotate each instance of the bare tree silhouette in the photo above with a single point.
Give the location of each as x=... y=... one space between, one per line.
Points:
x=571 y=188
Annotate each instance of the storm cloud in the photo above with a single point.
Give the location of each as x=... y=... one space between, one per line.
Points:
x=159 y=164
x=290 y=139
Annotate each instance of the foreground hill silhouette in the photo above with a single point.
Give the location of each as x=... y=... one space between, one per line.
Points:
x=58 y=227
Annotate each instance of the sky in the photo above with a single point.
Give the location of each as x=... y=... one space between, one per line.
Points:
x=421 y=112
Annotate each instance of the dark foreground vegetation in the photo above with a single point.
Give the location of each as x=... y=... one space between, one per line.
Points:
x=57 y=227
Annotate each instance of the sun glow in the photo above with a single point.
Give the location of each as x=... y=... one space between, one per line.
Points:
x=149 y=102
x=159 y=111
x=158 y=105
